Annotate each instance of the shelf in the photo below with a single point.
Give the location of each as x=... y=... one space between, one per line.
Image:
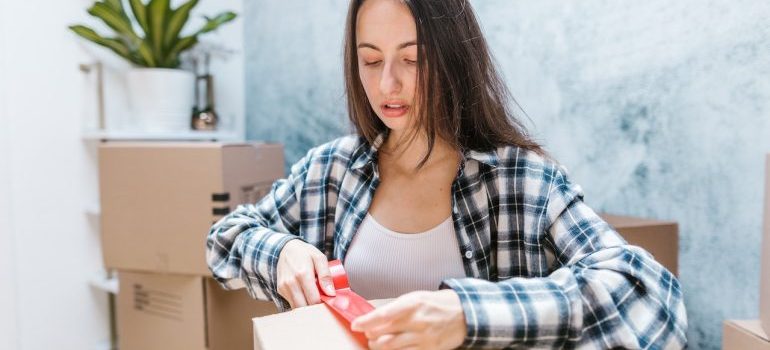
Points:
x=104 y=345
x=104 y=283
x=93 y=211
x=188 y=135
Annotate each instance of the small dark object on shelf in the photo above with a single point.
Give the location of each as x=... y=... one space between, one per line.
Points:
x=204 y=118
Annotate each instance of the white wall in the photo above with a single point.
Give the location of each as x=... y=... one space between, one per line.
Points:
x=229 y=77
x=55 y=249
x=49 y=249
x=7 y=267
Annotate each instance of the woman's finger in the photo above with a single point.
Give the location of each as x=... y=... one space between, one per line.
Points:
x=374 y=344
x=390 y=312
x=392 y=327
x=297 y=295
x=285 y=292
x=397 y=341
x=324 y=275
x=309 y=289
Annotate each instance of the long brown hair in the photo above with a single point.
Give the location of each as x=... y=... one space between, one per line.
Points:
x=460 y=96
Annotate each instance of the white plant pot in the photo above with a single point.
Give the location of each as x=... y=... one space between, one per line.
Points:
x=161 y=99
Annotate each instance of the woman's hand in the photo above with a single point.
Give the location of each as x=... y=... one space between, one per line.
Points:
x=298 y=265
x=417 y=320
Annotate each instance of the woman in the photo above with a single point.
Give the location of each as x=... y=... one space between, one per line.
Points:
x=443 y=199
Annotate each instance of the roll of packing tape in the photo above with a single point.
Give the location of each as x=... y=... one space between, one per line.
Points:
x=346 y=303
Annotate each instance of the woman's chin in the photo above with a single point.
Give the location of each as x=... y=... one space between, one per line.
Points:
x=397 y=125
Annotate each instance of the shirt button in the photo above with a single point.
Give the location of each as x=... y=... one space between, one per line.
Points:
x=468 y=254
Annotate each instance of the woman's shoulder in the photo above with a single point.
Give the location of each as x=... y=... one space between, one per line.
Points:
x=538 y=170
x=522 y=160
x=340 y=151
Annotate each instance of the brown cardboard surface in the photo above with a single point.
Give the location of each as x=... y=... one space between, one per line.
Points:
x=163 y=311
x=159 y=199
x=660 y=238
x=160 y=312
x=764 y=279
x=310 y=327
x=229 y=317
x=744 y=335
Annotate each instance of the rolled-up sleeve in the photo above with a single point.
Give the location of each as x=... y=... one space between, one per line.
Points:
x=602 y=293
x=242 y=248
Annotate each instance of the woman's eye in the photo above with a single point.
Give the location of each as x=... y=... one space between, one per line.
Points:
x=371 y=63
x=408 y=61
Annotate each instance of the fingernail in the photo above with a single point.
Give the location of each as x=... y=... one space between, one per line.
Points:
x=329 y=289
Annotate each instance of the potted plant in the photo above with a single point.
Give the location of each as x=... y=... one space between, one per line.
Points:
x=149 y=35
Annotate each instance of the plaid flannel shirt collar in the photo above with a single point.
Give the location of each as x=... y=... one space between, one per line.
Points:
x=366 y=154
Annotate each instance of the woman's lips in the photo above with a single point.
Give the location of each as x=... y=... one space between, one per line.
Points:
x=394 y=110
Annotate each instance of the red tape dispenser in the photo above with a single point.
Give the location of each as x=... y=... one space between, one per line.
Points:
x=346 y=303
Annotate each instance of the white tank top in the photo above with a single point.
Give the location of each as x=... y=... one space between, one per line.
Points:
x=381 y=263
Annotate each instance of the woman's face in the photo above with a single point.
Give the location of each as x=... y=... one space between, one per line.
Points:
x=387 y=60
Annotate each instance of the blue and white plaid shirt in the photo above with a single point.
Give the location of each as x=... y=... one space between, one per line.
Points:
x=544 y=270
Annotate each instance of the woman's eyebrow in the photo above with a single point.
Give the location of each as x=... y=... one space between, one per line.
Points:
x=401 y=46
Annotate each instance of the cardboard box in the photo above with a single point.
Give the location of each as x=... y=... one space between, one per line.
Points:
x=310 y=327
x=744 y=335
x=159 y=199
x=160 y=311
x=660 y=238
x=764 y=279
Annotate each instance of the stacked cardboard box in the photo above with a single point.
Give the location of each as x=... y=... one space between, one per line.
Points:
x=755 y=334
x=659 y=237
x=159 y=200
x=322 y=330
x=744 y=335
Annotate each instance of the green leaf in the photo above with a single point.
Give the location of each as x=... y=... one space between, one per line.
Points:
x=160 y=44
x=117 y=6
x=146 y=54
x=114 y=44
x=178 y=20
x=157 y=14
x=140 y=13
x=113 y=20
x=218 y=20
x=172 y=58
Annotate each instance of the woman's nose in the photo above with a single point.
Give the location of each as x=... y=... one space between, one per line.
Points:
x=390 y=83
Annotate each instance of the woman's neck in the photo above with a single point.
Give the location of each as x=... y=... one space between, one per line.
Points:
x=406 y=155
